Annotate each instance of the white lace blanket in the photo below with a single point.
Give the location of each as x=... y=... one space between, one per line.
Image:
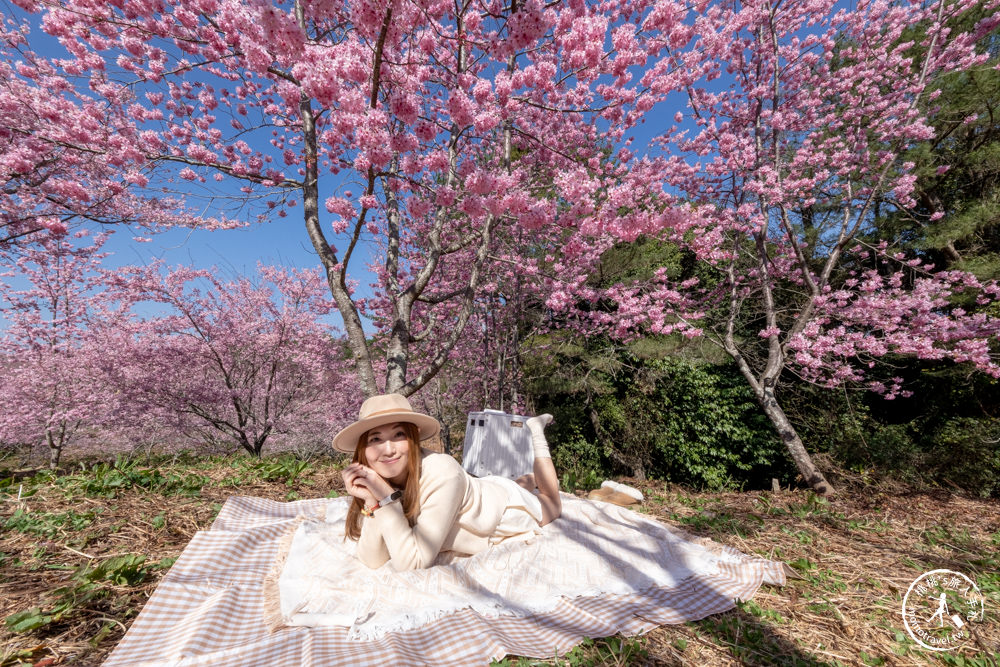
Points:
x=594 y=548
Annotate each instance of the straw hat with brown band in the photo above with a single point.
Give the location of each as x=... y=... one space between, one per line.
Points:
x=381 y=410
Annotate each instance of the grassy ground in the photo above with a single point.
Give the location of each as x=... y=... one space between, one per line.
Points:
x=82 y=551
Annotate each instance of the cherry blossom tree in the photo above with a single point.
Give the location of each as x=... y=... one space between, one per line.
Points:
x=106 y=360
x=410 y=134
x=70 y=153
x=242 y=361
x=793 y=119
x=50 y=297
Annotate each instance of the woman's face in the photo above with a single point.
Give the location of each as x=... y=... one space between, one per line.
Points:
x=388 y=452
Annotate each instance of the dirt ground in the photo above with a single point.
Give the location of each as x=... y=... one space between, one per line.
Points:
x=82 y=551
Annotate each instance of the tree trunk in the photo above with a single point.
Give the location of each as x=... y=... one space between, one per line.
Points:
x=763 y=385
x=55 y=448
x=258 y=443
x=54 y=454
x=334 y=268
x=445 y=434
x=446 y=437
x=763 y=389
x=634 y=463
x=793 y=443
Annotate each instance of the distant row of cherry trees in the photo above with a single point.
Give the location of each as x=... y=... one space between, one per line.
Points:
x=98 y=360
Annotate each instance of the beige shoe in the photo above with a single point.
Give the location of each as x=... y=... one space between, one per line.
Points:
x=610 y=495
x=624 y=488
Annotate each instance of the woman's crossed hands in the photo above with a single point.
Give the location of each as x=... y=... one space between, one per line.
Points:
x=364 y=483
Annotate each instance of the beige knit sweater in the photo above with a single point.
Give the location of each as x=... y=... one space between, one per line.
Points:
x=458 y=513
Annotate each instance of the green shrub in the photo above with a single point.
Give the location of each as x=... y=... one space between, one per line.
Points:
x=689 y=422
x=940 y=436
x=965 y=452
x=110 y=479
x=699 y=424
x=578 y=458
x=87 y=583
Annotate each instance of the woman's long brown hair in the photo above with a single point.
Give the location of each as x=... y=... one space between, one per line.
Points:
x=411 y=490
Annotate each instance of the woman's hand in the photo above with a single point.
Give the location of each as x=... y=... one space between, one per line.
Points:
x=354 y=482
x=364 y=483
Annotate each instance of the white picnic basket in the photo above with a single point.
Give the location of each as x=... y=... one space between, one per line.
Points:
x=497 y=443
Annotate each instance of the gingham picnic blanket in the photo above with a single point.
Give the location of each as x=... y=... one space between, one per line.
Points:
x=210 y=607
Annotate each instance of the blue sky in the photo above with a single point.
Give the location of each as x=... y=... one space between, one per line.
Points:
x=235 y=252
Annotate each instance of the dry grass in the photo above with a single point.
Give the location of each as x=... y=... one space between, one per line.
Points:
x=857 y=556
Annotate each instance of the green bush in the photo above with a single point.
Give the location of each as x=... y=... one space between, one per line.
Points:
x=698 y=424
x=685 y=421
x=578 y=458
x=109 y=479
x=942 y=435
x=648 y=409
x=965 y=453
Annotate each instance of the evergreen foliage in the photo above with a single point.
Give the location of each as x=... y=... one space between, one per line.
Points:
x=646 y=411
x=956 y=220
x=945 y=434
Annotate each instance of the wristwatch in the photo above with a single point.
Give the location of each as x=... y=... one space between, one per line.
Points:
x=388 y=500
